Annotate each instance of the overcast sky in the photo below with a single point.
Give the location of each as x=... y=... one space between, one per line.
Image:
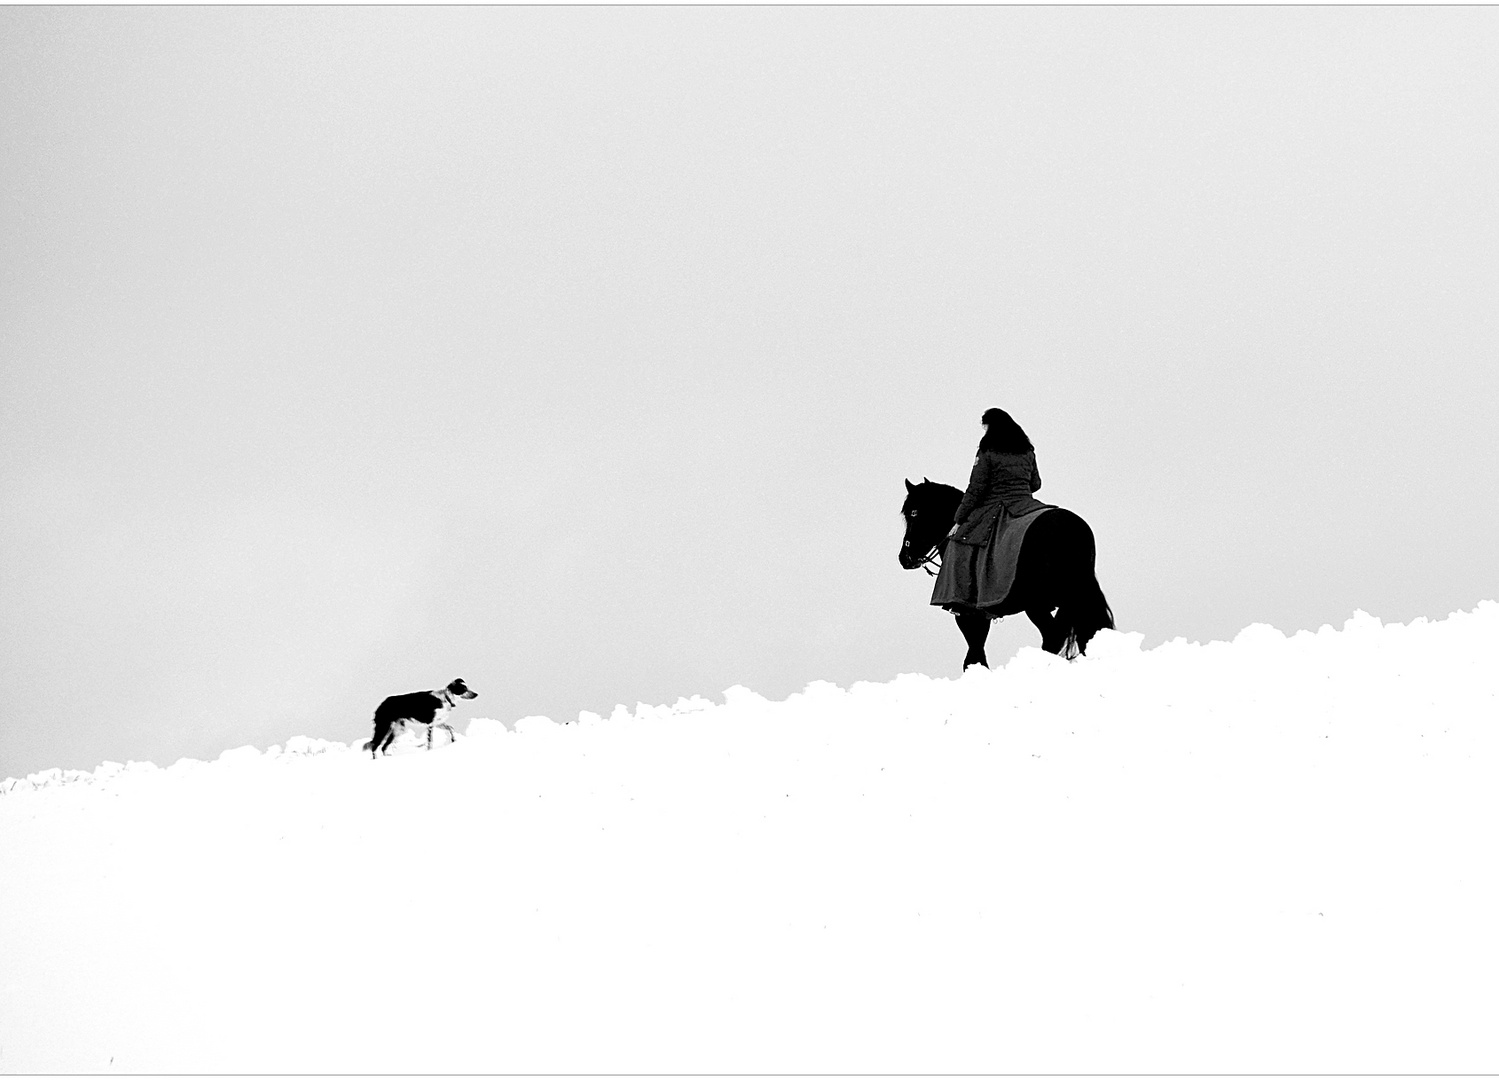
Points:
x=582 y=352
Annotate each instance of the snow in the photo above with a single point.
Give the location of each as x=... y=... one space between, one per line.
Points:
x=1275 y=854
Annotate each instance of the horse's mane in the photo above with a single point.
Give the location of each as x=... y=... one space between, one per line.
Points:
x=929 y=492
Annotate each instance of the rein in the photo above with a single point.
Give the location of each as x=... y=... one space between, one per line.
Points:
x=933 y=559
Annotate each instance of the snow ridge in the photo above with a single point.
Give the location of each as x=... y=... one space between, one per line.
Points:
x=1270 y=855
x=1315 y=670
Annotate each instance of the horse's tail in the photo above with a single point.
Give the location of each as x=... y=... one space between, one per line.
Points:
x=1084 y=610
x=1083 y=615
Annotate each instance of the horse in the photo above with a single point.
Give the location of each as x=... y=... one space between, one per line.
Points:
x=1055 y=584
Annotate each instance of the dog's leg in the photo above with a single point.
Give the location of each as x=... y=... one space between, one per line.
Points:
x=429 y=735
x=385 y=734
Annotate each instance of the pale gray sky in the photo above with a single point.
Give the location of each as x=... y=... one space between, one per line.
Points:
x=581 y=352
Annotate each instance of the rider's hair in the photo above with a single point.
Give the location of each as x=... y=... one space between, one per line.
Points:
x=1004 y=435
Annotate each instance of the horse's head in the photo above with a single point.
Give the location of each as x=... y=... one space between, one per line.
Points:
x=928 y=512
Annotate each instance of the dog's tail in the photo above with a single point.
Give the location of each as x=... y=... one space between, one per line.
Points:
x=381 y=737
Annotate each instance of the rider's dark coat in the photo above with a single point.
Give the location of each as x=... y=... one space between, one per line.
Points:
x=979 y=562
x=999 y=481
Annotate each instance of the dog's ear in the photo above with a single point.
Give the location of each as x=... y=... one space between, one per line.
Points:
x=910 y=486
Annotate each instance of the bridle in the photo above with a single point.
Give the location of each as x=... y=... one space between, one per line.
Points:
x=933 y=560
x=933 y=557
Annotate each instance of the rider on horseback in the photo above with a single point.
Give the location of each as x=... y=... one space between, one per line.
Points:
x=1004 y=476
x=977 y=570
x=1006 y=552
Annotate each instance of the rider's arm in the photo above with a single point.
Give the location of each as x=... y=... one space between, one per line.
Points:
x=978 y=487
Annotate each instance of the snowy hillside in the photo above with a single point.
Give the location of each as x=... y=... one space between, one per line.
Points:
x=1271 y=855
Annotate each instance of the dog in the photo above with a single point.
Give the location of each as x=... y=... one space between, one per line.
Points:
x=421 y=707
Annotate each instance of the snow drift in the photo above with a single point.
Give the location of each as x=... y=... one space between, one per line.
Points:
x=1270 y=855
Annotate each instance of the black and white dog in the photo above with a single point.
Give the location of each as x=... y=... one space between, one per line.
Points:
x=421 y=707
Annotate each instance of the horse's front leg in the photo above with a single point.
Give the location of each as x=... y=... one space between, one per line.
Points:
x=975 y=629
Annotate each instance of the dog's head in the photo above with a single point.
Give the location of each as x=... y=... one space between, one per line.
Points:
x=457 y=689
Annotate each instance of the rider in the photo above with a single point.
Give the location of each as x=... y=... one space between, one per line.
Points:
x=1004 y=476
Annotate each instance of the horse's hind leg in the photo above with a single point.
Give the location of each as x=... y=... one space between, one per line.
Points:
x=975 y=629
x=1053 y=633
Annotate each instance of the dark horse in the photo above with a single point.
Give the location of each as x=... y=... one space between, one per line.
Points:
x=1054 y=580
